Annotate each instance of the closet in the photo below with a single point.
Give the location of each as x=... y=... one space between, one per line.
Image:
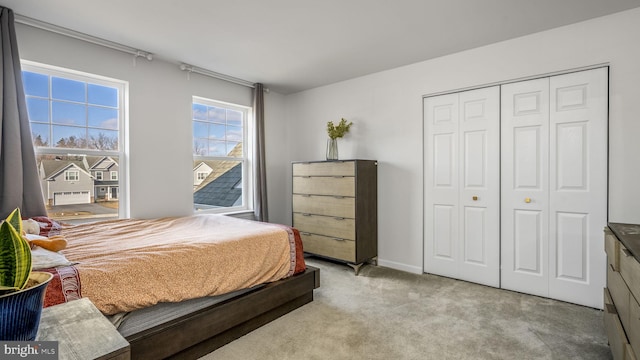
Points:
x=551 y=196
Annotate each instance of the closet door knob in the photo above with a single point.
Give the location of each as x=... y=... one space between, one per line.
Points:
x=527 y=200
x=475 y=198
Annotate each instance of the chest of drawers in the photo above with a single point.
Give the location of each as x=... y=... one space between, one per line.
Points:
x=335 y=209
x=621 y=305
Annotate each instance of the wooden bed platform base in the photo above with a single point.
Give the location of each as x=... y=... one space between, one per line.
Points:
x=197 y=334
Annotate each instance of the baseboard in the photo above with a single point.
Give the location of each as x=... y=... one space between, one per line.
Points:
x=400 y=266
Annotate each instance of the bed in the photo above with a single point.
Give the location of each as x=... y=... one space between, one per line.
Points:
x=234 y=275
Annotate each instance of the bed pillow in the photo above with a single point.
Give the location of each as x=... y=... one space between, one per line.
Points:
x=48 y=226
x=43 y=258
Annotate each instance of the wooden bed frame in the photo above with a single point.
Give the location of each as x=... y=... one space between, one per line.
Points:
x=197 y=334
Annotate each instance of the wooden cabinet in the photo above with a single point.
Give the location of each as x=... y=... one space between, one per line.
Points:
x=335 y=209
x=622 y=308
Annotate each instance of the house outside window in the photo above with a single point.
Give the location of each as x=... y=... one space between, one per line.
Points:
x=78 y=129
x=71 y=175
x=222 y=181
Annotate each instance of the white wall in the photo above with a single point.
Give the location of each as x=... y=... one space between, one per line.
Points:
x=386 y=109
x=160 y=128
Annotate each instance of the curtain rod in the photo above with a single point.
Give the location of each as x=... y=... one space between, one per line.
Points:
x=82 y=36
x=124 y=48
x=201 y=71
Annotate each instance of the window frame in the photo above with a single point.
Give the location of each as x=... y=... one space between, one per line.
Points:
x=68 y=173
x=246 y=159
x=201 y=175
x=123 y=134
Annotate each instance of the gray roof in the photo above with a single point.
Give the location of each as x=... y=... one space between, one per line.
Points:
x=223 y=191
x=53 y=167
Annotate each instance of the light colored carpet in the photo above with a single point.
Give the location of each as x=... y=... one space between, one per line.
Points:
x=389 y=314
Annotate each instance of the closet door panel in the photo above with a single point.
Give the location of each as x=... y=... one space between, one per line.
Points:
x=571 y=156
x=479 y=131
x=441 y=185
x=578 y=185
x=524 y=186
x=527 y=242
x=474 y=234
x=462 y=185
x=571 y=247
x=445 y=232
x=527 y=162
x=444 y=164
x=475 y=160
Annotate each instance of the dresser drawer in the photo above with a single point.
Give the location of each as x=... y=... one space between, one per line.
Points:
x=330 y=247
x=343 y=228
x=619 y=294
x=329 y=168
x=630 y=271
x=612 y=248
x=324 y=205
x=324 y=185
x=613 y=328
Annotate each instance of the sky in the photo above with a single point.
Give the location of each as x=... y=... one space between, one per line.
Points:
x=216 y=130
x=59 y=108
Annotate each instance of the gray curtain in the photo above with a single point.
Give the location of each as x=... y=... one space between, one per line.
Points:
x=19 y=183
x=259 y=167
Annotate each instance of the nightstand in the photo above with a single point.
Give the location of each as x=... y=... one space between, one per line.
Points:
x=82 y=332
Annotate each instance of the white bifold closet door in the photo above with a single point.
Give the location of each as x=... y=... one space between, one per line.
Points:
x=554 y=186
x=462 y=185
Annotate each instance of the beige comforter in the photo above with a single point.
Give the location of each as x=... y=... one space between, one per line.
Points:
x=128 y=264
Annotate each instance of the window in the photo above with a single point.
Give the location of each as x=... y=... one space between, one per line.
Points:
x=77 y=121
x=71 y=175
x=220 y=156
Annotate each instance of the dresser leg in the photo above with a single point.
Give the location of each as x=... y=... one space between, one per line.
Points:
x=356 y=267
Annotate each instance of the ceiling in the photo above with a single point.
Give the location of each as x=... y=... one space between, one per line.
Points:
x=294 y=45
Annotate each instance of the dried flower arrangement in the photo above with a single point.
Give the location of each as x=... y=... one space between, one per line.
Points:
x=338 y=131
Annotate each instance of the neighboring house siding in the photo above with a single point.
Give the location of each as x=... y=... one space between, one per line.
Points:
x=58 y=184
x=201 y=168
x=86 y=188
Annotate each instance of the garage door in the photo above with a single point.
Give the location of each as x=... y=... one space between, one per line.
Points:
x=71 y=197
